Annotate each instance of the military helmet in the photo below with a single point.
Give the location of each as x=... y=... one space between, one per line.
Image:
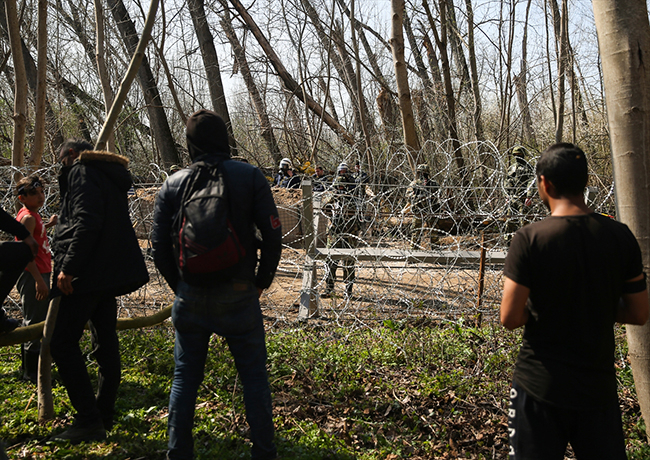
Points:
x=342 y=167
x=519 y=151
x=423 y=168
x=285 y=163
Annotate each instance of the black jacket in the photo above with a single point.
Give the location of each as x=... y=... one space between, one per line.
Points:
x=94 y=240
x=252 y=206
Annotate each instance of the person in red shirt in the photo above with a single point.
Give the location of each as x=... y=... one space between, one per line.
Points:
x=33 y=284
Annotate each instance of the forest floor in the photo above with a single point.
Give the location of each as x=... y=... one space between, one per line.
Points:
x=405 y=389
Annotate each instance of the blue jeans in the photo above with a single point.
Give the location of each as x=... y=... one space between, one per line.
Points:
x=233 y=311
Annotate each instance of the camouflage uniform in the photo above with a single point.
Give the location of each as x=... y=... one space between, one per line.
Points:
x=425 y=207
x=343 y=230
x=519 y=188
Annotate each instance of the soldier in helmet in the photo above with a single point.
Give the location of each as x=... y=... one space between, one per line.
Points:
x=343 y=229
x=519 y=189
x=424 y=204
x=286 y=176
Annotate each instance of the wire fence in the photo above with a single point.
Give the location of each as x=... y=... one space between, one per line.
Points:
x=396 y=246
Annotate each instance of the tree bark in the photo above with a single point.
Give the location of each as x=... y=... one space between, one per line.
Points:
x=561 y=71
x=476 y=92
x=102 y=71
x=521 y=82
x=159 y=124
x=38 y=145
x=211 y=64
x=260 y=107
x=401 y=77
x=624 y=42
x=20 y=85
x=441 y=42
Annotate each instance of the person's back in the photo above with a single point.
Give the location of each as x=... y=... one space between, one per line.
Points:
x=228 y=304
x=576 y=267
x=567 y=280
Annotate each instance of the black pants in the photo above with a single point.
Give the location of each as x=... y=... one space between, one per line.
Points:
x=100 y=310
x=540 y=431
x=14 y=257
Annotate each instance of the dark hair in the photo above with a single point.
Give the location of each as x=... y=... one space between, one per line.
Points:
x=565 y=166
x=78 y=145
x=27 y=185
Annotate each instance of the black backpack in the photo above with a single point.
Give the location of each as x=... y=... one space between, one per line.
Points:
x=206 y=244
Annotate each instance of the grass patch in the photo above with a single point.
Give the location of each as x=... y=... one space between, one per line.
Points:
x=403 y=390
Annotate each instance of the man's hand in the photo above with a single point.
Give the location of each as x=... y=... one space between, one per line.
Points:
x=33 y=245
x=42 y=289
x=64 y=283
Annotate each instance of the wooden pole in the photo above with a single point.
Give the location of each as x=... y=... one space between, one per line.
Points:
x=481 y=280
x=44 y=381
x=116 y=108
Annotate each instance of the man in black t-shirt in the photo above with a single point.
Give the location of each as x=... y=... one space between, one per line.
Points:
x=568 y=279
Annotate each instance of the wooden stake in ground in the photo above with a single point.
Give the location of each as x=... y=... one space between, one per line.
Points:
x=45 y=401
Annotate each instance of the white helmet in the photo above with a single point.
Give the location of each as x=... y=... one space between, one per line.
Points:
x=341 y=167
x=285 y=163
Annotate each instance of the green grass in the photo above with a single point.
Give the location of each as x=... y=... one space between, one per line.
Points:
x=403 y=390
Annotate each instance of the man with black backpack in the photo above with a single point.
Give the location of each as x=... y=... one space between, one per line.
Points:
x=204 y=245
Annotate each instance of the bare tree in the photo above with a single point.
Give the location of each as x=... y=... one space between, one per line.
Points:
x=211 y=63
x=624 y=42
x=289 y=82
x=102 y=71
x=401 y=77
x=159 y=123
x=20 y=85
x=260 y=107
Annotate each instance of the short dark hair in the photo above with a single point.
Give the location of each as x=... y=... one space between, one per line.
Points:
x=27 y=185
x=565 y=166
x=78 y=145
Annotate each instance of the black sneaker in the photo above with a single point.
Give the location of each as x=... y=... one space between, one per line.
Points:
x=77 y=433
x=8 y=325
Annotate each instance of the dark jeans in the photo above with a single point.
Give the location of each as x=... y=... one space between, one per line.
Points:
x=232 y=311
x=14 y=257
x=540 y=431
x=34 y=311
x=100 y=309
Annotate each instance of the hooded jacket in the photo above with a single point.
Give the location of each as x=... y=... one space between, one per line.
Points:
x=94 y=240
x=251 y=202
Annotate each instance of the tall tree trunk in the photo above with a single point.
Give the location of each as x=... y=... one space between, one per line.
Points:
x=20 y=85
x=453 y=36
x=401 y=77
x=441 y=42
x=288 y=81
x=561 y=71
x=624 y=41
x=52 y=125
x=159 y=124
x=102 y=71
x=521 y=83
x=41 y=82
x=211 y=63
x=476 y=92
x=438 y=98
x=260 y=107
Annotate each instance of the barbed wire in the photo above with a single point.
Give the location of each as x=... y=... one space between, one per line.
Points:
x=469 y=208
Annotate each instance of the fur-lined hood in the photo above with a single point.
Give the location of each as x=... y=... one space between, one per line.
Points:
x=103 y=155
